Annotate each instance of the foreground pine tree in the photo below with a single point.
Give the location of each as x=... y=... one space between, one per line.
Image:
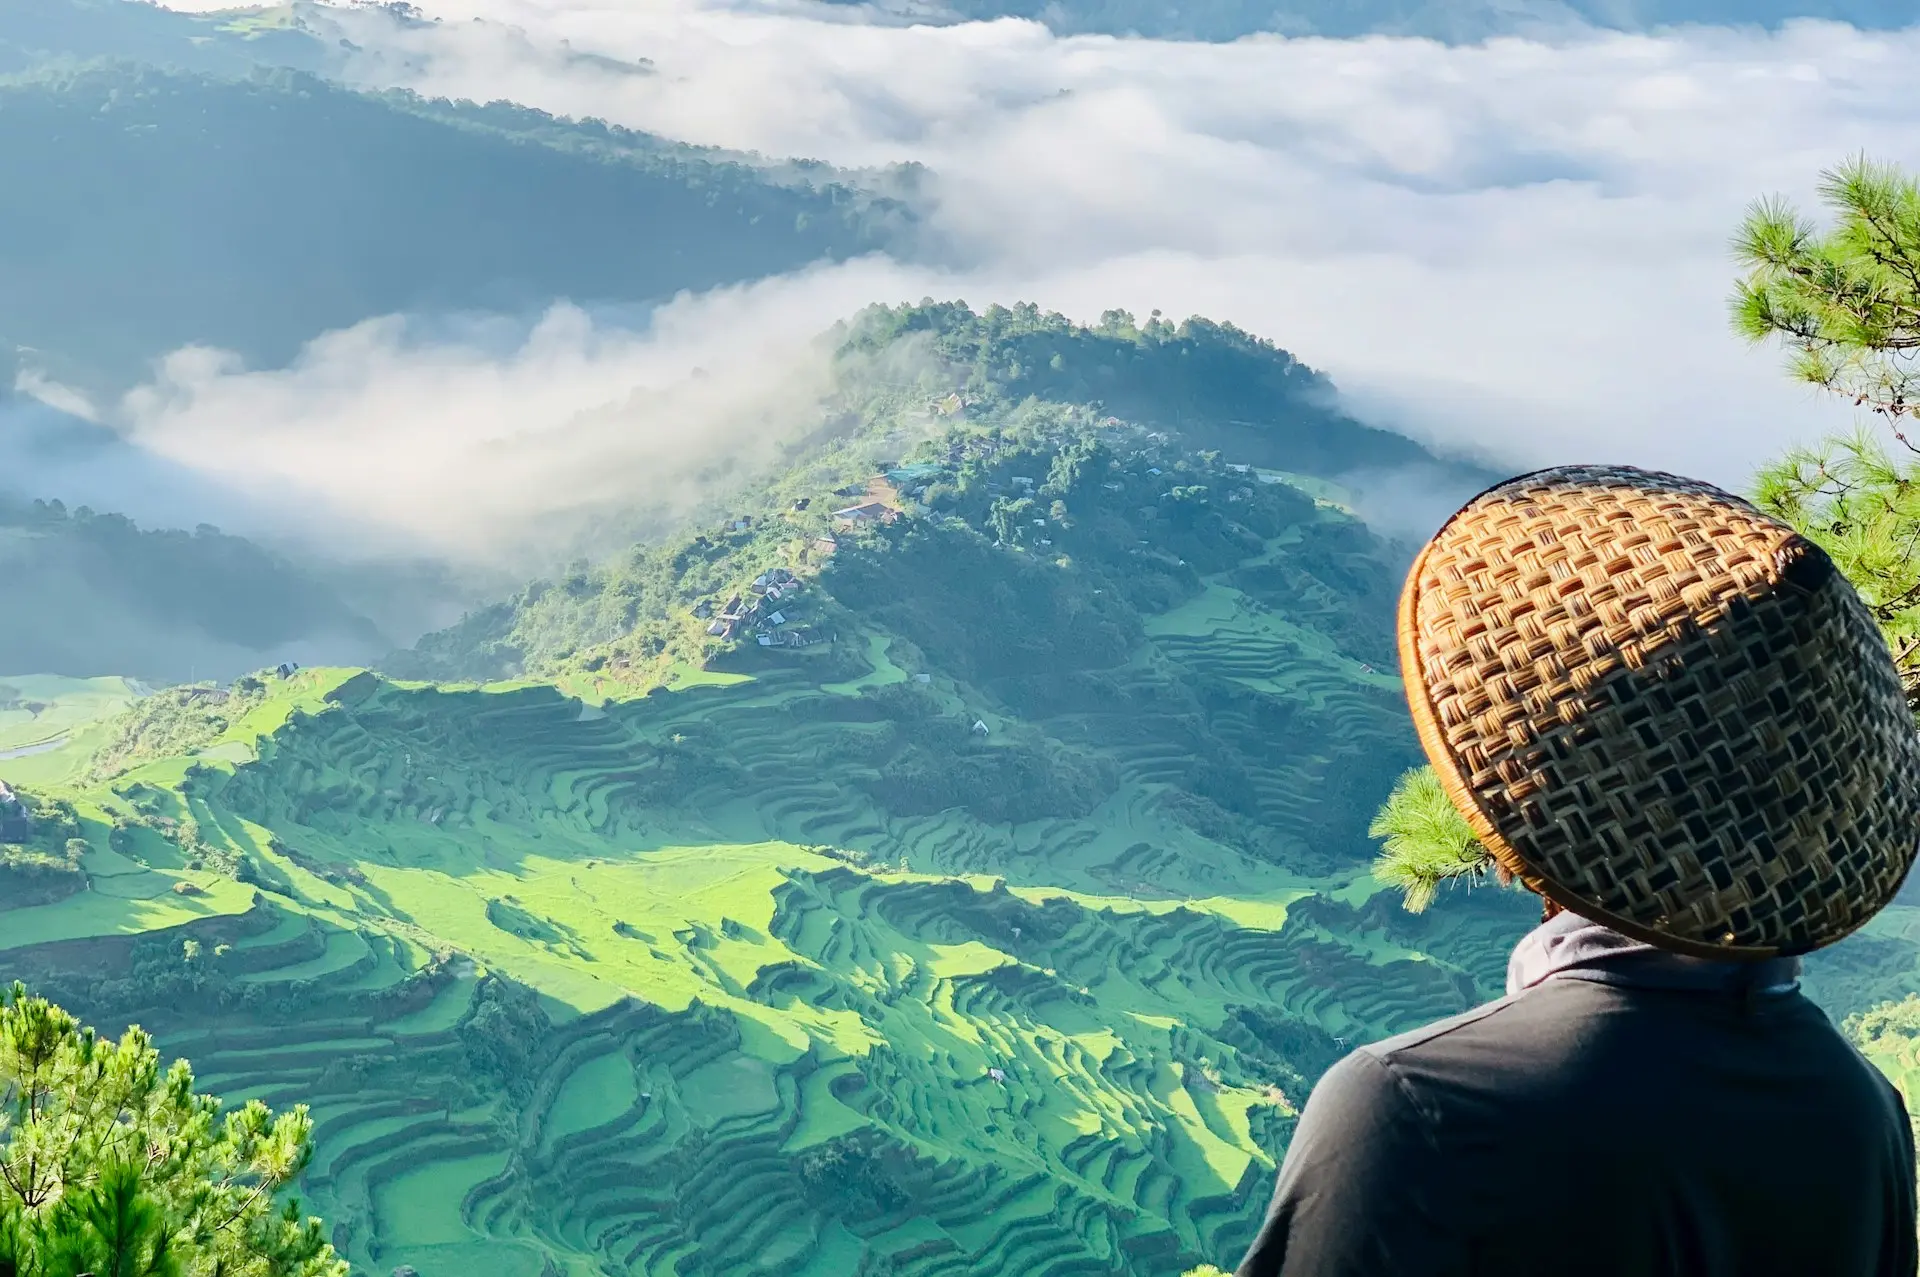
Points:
x=111 y=1167
x=1844 y=301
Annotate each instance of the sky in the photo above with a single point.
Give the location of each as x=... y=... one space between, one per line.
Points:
x=1516 y=251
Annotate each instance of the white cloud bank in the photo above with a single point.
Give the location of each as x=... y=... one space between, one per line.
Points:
x=499 y=444
x=1516 y=249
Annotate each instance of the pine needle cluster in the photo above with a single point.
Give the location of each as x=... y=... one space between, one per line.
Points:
x=1425 y=842
x=1845 y=301
x=111 y=1167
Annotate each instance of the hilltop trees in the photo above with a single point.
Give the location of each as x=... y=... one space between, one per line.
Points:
x=111 y=1167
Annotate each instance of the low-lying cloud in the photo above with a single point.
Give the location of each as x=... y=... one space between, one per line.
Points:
x=485 y=442
x=1517 y=251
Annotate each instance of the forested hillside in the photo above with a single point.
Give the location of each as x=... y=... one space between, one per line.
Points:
x=38 y=31
x=970 y=410
x=91 y=594
x=144 y=210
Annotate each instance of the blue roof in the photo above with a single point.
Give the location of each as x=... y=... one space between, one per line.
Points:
x=915 y=473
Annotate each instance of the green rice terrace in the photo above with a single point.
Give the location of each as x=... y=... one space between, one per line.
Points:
x=570 y=988
x=950 y=862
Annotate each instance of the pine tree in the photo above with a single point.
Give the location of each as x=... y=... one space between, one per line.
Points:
x=111 y=1167
x=1845 y=302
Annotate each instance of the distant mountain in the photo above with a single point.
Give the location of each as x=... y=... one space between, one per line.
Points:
x=920 y=386
x=36 y=31
x=90 y=594
x=293 y=34
x=1453 y=21
x=1032 y=499
x=141 y=210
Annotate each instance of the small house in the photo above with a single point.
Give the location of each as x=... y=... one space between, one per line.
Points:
x=979 y=727
x=923 y=678
x=825 y=545
x=777 y=618
x=766 y=640
x=867 y=512
x=287 y=669
x=717 y=628
x=997 y=1074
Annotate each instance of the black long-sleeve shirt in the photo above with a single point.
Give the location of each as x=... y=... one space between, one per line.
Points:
x=1580 y=1129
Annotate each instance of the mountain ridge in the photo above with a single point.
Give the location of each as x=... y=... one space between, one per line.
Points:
x=392 y=203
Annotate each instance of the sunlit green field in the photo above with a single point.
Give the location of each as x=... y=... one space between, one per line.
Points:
x=1028 y=1033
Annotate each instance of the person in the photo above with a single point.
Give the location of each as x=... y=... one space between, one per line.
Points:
x=1672 y=718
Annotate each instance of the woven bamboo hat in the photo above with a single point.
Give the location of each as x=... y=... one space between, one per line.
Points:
x=1663 y=710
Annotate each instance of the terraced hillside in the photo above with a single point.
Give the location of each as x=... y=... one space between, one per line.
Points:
x=658 y=985
x=950 y=861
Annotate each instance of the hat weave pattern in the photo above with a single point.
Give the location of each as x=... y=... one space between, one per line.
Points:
x=1664 y=710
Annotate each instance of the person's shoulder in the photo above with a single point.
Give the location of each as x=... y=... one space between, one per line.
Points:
x=1362 y=1098
x=1371 y=1082
x=1487 y=1019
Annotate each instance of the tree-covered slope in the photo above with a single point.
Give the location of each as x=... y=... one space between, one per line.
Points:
x=143 y=210
x=964 y=414
x=33 y=32
x=92 y=594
